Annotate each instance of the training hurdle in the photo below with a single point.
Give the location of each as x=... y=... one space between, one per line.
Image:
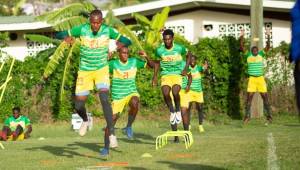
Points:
x=162 y=140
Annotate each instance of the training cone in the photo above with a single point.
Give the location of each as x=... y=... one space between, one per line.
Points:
x=146 y=155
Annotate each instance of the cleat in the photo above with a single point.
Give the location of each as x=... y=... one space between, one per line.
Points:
x=83 y=128
x=173 y=118
x=104 y=152
x=178 y=117
x=128 y=131
x=113 y=143
x=201 y=129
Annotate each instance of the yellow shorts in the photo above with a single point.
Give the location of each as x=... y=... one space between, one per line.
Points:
x=171 y=80
x=191 y=96
x=87 y=79
x=20 y=137
x=118 y=105
x=257 y=84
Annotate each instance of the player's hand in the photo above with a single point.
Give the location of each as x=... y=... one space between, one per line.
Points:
x=187 y=89
x=242 y=33
x=205 y=65
x=142 y=54
x=109 y=56
x=69 y=40
x=154 y=82
x=119 y=45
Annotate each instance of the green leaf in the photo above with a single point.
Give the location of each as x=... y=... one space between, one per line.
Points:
x=141 y=19
x=74 y=50
x=70 y=22
x=42 y=39
x=55 y=59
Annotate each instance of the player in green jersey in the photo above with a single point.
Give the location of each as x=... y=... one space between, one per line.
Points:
x=124 y=91
x=93 y=69
x=171 y=55
x=256 y=82
x=192 y=93
x=15 y=126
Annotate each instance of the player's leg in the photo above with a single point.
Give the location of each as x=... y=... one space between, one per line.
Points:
x=248 y=107
x=267 y=108
x=184 y=103
x=166 y=94
x=190 y=114
x=81 y=110
x=132 y=112
x=176 y=87
x=199 y=107
x=19 y=130
x=5 y=132
x=105 y=150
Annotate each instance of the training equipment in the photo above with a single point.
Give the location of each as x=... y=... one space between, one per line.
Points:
x=1 y=145
x=201 y=129
x=146 y=155
x=162 y=140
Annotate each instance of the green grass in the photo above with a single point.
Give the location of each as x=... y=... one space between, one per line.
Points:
x=230 y=146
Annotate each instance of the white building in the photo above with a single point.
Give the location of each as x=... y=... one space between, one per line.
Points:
x=193 y=19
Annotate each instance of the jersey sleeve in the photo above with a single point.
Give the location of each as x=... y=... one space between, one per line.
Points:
x=200 y=68
x=114 y=34
x=27 y=121
x=75 y=31
x=111 y=66
x=140 y=63
x=183 y=51
x=262 y=53
x=7 y=122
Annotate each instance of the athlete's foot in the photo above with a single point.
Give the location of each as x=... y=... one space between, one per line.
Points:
x=104 y=152
x=246 y=119
x=201 y=129
x=83 y=128
x=178 y=117
x=128 y=131
x=113 y=143
x=176 y=139
x=269 y=120
x=172 y=118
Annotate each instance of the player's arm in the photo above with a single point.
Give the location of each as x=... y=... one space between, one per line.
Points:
x=28 y=127
x=187 y=89
x=242 y=47
x=187 y=63
x=123 y=41
x=155 y=74
x=267 y=48
x=68 y=35
x=150 y=62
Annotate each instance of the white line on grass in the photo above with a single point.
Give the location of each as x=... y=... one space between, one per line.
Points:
x=272 y=158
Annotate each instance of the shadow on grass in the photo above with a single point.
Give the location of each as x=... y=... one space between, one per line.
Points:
x=61 y=151
x=140 y=138
x=292 y=125
x=179 y=166
x=135 y=168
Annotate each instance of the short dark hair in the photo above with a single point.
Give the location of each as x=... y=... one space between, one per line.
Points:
x=16 y=109
x=96 y=12
x=168 y=32
x=252 y=48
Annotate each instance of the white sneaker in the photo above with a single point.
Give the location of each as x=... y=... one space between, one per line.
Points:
x=113 y=143
x=173 y=118
x=83 y=128
x=178 y=117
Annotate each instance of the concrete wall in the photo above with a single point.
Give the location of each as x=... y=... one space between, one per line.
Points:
x=194 y=25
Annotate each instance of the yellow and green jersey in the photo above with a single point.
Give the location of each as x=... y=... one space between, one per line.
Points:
x=196 y=73
x=93 y=48
x=256 y=64
x=123 y=76
x=170 y=59
x=12 y=123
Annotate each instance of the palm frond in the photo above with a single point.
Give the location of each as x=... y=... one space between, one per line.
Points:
x=74 y=50
x=74 y=9
x=121 y=27
x=70 y=22
x=55 y=59
x=141 y=19
x=42 y=39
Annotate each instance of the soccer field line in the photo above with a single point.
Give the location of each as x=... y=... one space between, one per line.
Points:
x=272 y=157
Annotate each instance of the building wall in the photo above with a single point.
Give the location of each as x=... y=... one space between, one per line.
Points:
x=195 y=21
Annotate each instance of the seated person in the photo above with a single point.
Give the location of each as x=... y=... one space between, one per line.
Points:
x=14 y=126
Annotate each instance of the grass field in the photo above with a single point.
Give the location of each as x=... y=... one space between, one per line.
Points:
x=230 y=146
